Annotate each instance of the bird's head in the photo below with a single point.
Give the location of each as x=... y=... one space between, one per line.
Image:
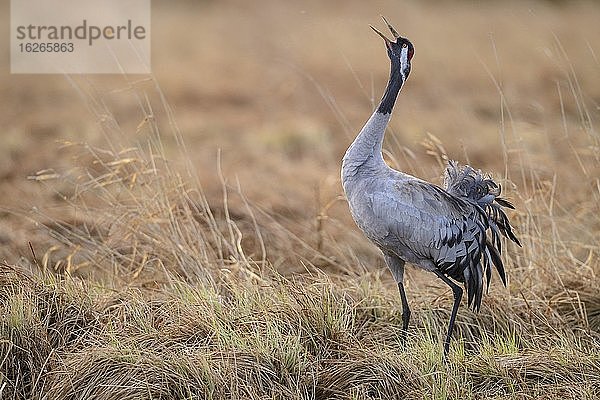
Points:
x=400 y=52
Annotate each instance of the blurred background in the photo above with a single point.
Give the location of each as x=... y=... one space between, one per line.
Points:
x=281 y=89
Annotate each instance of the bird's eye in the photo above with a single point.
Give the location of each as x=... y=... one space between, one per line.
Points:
x=404 y=45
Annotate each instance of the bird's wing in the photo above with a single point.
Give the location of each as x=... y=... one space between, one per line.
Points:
x=438 y=226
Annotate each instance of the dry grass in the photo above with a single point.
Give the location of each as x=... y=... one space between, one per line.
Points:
x=172 y=270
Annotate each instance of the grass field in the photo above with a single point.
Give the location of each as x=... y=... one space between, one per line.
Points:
x=184 y=235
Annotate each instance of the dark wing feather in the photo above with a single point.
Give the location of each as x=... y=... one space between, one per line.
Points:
x=481 y=190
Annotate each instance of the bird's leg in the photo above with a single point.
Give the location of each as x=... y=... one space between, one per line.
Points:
x=405 y=312
x=396 y=266
x=457 y=290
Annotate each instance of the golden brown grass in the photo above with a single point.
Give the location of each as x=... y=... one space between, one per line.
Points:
x=164 y=269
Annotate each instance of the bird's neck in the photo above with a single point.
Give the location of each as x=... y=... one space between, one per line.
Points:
x=364 y=154
x=391 y=91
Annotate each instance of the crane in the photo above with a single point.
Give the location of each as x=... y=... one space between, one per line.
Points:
x=452 y=231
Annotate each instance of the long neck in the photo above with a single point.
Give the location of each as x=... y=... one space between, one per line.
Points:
x=364 y=154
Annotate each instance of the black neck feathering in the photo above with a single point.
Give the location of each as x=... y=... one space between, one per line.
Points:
x=393 y=88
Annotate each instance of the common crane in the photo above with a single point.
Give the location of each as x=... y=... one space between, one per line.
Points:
x=453 y=231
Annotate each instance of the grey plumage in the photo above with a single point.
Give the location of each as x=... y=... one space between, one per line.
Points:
x=452 y=231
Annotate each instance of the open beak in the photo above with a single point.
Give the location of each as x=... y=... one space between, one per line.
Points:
x=394 y=33
x=386 y=40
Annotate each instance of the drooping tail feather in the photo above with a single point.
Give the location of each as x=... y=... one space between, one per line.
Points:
x=481 y=191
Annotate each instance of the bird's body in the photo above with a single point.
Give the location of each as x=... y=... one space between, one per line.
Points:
x=452 y=231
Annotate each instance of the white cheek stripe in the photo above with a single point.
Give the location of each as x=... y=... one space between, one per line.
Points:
x=403 y=61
